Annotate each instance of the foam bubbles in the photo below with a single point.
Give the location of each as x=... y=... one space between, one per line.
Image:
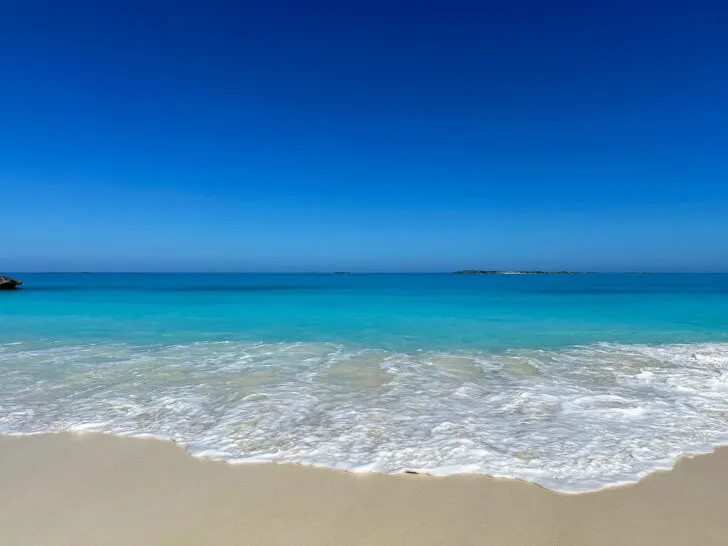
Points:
x=574 y=419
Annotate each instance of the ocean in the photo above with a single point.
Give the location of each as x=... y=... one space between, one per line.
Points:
x=575 y=382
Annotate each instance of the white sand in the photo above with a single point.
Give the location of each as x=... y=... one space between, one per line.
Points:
x=93 y=489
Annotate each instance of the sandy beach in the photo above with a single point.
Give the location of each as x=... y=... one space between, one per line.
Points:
x=93 y=489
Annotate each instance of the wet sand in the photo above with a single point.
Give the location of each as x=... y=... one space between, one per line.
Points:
x=93 y=489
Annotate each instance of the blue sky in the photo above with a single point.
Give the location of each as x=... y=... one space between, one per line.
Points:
x=364 y=136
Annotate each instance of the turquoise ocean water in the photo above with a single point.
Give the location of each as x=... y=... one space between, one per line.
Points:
x=575 y=382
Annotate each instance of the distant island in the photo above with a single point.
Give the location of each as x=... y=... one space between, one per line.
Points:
x=483 y=272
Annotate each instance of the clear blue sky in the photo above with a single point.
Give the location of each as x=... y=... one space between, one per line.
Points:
x=364 y=136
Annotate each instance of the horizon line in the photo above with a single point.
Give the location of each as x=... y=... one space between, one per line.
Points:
x=496 y=271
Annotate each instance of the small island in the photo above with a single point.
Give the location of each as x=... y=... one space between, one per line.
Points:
x=499 y=272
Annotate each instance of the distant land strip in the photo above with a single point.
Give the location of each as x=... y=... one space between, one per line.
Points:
x=498 y=272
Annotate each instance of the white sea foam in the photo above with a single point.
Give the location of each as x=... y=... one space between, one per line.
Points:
x=575 y=419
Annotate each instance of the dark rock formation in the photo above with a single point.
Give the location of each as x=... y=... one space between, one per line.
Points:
x=6 y=283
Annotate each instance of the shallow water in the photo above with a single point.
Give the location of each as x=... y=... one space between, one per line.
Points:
x=573 y=382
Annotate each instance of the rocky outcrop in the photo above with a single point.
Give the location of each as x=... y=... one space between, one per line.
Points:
x=6 y=283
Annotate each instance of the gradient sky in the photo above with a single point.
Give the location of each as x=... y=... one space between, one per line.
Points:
x=363 y=136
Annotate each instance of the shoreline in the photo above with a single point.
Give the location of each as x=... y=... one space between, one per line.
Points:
x=95 y=488
x=531 y=419
x=207 y=457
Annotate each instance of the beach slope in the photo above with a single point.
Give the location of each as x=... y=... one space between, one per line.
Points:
x=92 y=489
